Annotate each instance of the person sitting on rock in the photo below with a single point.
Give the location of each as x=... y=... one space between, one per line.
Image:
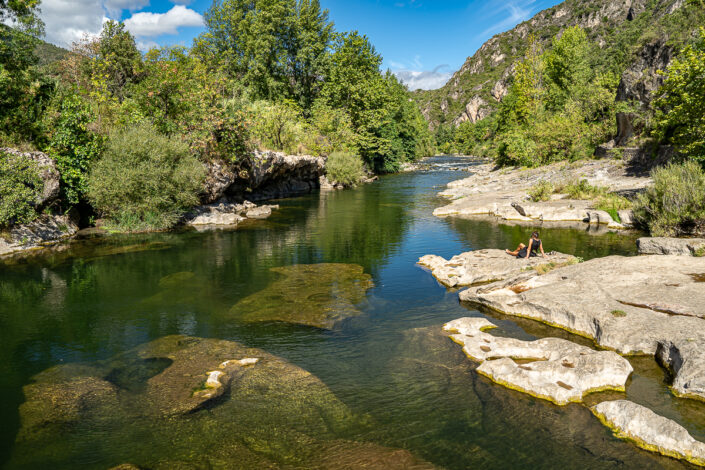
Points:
x=532 y=250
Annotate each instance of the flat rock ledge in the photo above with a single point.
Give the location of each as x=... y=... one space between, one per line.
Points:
x=45 y=230
x=227 y=214
x=482 y=266
x=649 y=430
x=503 y=193
x=559 y=370
x=651 y=305
x=671 y=246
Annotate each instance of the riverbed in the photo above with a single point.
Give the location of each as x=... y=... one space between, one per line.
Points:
x=407 y=386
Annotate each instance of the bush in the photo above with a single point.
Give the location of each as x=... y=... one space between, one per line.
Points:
x=346 y=168
x=675 y=204
x=541 y=191
x=612 y=204
x=20 y=185
x=516 y=149
x=582 y=190
x=144 y=180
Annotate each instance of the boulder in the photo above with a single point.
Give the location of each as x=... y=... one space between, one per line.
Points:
x=671 y=246
x=226 y=213
x=45 y=230
x=557 y=370
x=47 y=172
x=318 y=295
x=482 y=266
x=635 y=305
x=649 y=430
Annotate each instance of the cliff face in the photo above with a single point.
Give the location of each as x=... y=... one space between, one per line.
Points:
x=635 y=37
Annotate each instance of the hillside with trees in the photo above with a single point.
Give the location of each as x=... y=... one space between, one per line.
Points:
x=261 y=77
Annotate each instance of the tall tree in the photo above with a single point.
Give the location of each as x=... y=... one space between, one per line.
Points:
x=118 y=57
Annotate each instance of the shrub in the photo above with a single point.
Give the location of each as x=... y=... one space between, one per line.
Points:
x=516 y=149
x=20 y=185
x=541 y=191
x=675 y=204
x=344 y=167
x=582 y=190
x=144 y=180
x=612 y=204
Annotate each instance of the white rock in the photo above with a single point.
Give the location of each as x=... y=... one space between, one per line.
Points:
x=214 y=379
x=634 y=305
x=480 y=266
x=561 y=371
x=649 y=430
x=670 y=246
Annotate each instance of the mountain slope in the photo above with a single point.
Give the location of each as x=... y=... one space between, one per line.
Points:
x=635 y=38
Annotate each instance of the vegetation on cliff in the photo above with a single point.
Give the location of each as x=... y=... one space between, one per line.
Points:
x=269 y=77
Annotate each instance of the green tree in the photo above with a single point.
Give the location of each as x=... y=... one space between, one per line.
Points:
x=567 y=65
x=528 y=83
x=681 y=102
x=20 y=185
x=118 y=57
x=73 y=146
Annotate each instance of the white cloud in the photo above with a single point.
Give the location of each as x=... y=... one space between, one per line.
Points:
x=148 y=24
x=512 y=13
x=424 y=79
x=115 y=7
x=69 y=20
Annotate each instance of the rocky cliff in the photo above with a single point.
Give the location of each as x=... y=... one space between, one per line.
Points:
x=636 y=38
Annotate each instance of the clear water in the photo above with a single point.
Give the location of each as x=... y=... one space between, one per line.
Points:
x=90 y=300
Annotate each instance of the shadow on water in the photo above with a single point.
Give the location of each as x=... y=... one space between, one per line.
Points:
x=404 y=382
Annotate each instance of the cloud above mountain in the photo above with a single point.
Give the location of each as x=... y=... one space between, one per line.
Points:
x=424 y=79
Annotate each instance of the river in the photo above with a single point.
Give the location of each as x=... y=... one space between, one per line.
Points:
x=408 y=386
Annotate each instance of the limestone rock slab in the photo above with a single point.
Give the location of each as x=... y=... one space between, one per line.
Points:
x=481 y=266
x=671 y=246
x=635 y=305
x=560 y=371
x=649 y=430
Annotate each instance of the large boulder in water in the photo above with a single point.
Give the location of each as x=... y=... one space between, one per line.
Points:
x=634 y=305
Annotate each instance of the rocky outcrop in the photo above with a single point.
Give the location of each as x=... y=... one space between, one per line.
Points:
x=641 y=79
x=45 y=230
x=671 y=246
x=503 y=193
x=226 y=214
x=635 y=305
x=475 y=110
x=550 y=368
x=482 y=266
x=203 y=403
x=263 y=175
x=318 y=295
x=47 y=172
x=650 y=431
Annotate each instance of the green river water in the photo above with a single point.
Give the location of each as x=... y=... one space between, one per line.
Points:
x=388 y=377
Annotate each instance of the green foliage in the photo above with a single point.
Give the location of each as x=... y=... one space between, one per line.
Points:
x=344 y=167
x=619 y=313
x=515 y=148
x=612 y=204
x=527 y=88
x=675 y=204
x=541 y=191
x=582 y=190
x=277 y=126
x=73 y=146
x=144 y=180
x=20 y=185
x=681 y=100
x=567 y=66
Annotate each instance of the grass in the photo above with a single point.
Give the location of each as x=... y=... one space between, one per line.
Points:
x=604 y=200
x=700 y=252
x=612 y=204
x=541 y=191
x=542 y=269
x=619 y=313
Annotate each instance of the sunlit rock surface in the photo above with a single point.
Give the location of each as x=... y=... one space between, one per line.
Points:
x=480 y=266
x=156 y=402
x=671 y=246
x=649 y=430
x=318 y=295
x=646 y=304
x=551 y=368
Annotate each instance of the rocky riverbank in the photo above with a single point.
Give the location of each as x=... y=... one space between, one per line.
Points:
x=503 y=193
x=645 y=305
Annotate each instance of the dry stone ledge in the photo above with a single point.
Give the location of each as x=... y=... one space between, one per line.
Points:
x=502 y=193
x=635 y=305
x=481 y=266
x=45 y=230
x=649 y=430
x=671 y=246
x=227 y=213
x=560 y=370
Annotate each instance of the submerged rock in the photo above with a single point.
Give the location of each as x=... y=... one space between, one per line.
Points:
x=635 y=305
x=557 y=370
x=650 y=431
x=204 y=403
x=481 y=266
x=318 y=295
x=671 y=246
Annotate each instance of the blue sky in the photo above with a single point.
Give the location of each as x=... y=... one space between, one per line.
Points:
x=423 y=41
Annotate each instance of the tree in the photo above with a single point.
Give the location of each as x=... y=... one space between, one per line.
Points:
x=118 y=57
x=681 y=100
x=567 y=65
x=528 y=83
